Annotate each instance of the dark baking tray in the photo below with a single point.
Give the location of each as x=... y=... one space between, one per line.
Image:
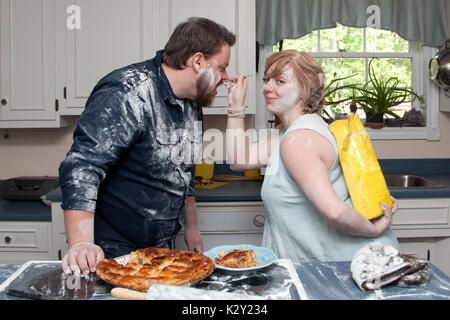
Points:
x=46 y=281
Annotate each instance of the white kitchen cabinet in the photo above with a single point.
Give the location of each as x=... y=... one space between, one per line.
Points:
x=93 y=38
x=115 y=33
x=27 y=64
x=422 y=226
x=53 y=52
x=219 y=222
x=24 y=241
x=227 y=223
x=59 y=236
x=238 y=17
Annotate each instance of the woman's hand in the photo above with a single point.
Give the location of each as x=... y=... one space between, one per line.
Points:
x=383 y=222
x=237 y=89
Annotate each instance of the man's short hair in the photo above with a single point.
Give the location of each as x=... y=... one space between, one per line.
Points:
x=195 y=35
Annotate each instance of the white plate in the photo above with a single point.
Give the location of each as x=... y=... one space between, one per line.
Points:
x=264 y=256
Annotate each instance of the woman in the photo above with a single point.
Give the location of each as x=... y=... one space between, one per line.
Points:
x=310 y=216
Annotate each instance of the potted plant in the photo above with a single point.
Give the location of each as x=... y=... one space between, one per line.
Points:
x=334 y=98
x=378 y=97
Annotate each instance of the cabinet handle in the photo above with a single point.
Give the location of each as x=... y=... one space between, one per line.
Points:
x=4 y=102
x=59 y=254
x=259 y=220
x=8 y=239
x=428 y=255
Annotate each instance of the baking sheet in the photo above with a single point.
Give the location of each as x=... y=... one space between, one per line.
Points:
x=44 y=280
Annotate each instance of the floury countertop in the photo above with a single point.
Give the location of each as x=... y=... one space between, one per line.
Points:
x=318 y=281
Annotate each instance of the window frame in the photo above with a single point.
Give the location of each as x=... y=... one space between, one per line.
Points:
x=420 y=82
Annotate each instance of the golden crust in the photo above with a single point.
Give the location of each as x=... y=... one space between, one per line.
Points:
x=238 y=258
x=155 y=265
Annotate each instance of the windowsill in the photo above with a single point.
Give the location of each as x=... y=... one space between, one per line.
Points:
x=398 y=133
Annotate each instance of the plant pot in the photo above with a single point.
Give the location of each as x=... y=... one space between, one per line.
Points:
x=374 y=125
x=394 y=122
x=374 y=121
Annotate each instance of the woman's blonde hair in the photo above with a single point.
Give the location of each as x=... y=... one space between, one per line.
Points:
x=308 y=72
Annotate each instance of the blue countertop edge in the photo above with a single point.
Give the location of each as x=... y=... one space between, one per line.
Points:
x=437 y=170
x=220 y=194
x=14 y=210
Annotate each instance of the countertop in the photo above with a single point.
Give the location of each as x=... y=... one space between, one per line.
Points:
x=13 y=210
x=437 y=170
x=330 y=281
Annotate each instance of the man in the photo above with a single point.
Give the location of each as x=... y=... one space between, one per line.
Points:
x=131 y=165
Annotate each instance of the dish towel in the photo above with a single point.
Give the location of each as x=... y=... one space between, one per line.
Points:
x=377 y=265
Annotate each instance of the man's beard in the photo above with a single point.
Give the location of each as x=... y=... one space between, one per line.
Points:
x=205 y=92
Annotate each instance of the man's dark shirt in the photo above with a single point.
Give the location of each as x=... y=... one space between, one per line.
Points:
x=132 y=160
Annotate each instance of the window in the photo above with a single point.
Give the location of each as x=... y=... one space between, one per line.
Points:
x=345 y=51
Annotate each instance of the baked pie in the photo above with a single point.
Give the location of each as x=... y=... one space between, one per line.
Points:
x=155 y=265
x=237 y=258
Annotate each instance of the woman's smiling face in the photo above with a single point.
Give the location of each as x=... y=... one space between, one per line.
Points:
x=281 y=92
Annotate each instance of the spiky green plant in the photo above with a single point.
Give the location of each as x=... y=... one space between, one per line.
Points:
x=381 y=96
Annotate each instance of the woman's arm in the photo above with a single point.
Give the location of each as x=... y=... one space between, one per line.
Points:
x=308 y=157
x=242 y=155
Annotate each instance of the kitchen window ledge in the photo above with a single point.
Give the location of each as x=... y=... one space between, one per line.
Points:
x=404 y=133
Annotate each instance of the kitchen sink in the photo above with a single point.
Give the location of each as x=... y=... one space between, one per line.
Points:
x=407 y=181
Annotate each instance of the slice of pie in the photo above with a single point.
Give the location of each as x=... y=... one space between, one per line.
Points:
x=237 y=258
x=155 y=265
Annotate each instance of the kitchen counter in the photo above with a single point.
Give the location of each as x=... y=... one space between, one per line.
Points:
x=333 y=281
x=13 y=210
x=233 y=191
x=24 y=211
x=251 y=191
x=328 y=281
x=437 y=170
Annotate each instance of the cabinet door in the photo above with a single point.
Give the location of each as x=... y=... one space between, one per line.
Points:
x=95 y=37
x=238 y=17
x=27 y=60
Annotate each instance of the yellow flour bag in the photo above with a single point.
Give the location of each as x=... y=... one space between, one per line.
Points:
x=365 y=181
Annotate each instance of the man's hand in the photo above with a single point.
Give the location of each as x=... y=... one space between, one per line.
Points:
x=83 y=254
x=193 y=240
x=82 y=257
